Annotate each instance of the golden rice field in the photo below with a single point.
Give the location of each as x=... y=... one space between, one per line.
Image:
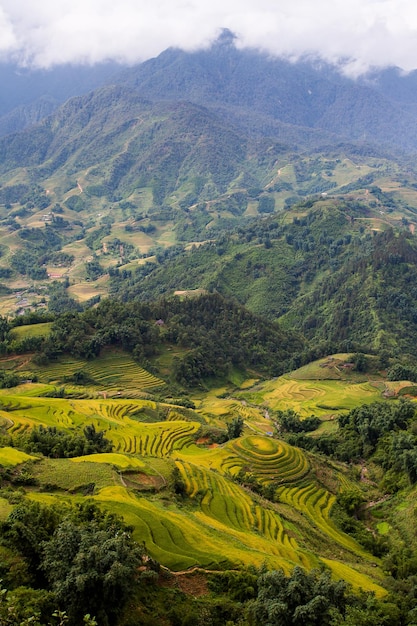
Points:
x=269 y=459
x=10 y=457
x=306 y=397
x=121 y=461
x=266 y=458
x=219 y=524
x=114 y=416
x=316 y=503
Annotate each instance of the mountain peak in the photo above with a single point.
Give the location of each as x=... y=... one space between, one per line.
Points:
x=226 y=39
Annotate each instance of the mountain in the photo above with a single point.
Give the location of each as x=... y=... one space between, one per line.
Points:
x=131 y=143
x=184 y=149
x=29 y=95
x=302 y=94
x=269 y=96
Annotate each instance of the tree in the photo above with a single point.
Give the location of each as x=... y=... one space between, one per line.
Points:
x=25 y=530
x=235 y=427
x=302 y=599
x=361 y=362
x=91 y=568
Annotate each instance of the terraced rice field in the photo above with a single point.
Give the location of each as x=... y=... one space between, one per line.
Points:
x=316 y=503
x=202 y=538
x=223 y=525
x=228 y=504
x=128 y=435
x=158 y=439
x=114 y=371
x=269 y=459
x=306 y=397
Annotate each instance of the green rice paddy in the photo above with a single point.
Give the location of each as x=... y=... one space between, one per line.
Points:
x=31 y=330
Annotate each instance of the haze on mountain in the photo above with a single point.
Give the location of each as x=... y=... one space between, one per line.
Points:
x=50 y=53
x=304 y=103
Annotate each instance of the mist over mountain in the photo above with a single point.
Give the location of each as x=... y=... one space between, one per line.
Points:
x=305 y=103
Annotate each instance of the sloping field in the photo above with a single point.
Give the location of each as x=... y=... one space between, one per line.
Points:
x=10 y=457
x=228 y=504
x=216 y=523
x=69 y=476
x=356 y=579
x=306 y=397
x=113 y=372
x=113 y=416
x=316 y=503
x=31 y=330
x=121 y=461
x=328 y=368
x=211 y=537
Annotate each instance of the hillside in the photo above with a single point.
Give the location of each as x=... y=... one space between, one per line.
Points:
x=336 y=272
x=116 y=183
x=32 y=94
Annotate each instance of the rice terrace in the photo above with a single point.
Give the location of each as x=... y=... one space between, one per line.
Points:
x=252 y=500
x=240 y=474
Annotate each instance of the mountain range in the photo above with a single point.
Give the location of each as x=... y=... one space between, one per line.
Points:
x=215 y=147
x=268 y=96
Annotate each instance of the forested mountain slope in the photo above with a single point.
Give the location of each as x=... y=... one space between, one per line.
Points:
x=304 y=94
x=321 y=274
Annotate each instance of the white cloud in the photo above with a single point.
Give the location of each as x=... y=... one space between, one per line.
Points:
x=48 y=32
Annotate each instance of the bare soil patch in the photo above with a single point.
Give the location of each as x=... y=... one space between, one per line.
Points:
x=139 y=480
x=193 y=583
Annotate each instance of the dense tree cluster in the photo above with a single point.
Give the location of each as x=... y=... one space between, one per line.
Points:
x=216 y=333
x=56 y=444
x=221 y=333
x=290 y=421
x=83 y=559
x=302 y=599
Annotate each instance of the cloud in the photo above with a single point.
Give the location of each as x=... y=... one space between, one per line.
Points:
x=361 y=33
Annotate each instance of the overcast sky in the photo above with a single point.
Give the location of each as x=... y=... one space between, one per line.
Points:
x=50 y=32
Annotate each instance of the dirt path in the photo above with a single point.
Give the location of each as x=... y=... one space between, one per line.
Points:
x=369 y=505
x=22 y=364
